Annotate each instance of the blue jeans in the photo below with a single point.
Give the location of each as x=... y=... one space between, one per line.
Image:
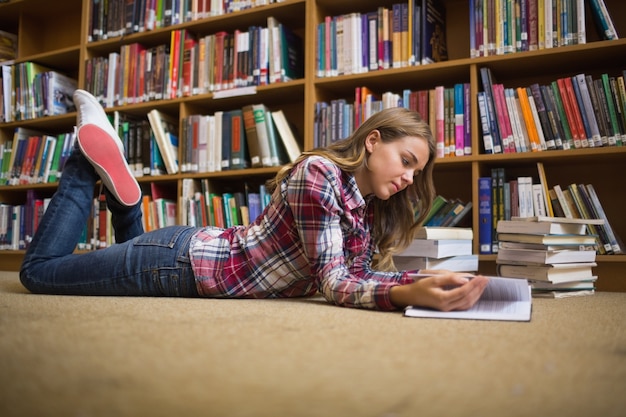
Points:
x=140 y=264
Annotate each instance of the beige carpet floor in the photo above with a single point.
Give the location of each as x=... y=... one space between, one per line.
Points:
x=113 y=356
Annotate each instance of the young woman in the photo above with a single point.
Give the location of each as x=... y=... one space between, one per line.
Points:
x=330 y=212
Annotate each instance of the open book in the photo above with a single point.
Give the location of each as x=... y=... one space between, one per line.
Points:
x=505 y=299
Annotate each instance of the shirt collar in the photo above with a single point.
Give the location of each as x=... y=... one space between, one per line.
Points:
x=353 y=196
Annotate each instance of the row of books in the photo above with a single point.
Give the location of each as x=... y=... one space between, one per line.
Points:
x=407 y=33
x=197 y=64
x=502 y=198
x=446 y=109
x=254 y=136
x=19 y=222
x=555 y=254
x=160 y=208
x=200 y=206
x=32 y=157
x=8 y=46
x=114 y=18
x=569 y=113
x=448 y=212
x=499 y=27
x=251 y=137
x=29 y=90
x=437 y=247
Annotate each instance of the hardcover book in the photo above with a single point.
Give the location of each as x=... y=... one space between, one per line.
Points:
x=438 y=248
x=555 y=273
x=166 y=136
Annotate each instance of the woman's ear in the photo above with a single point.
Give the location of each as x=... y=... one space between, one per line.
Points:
x=371 y=140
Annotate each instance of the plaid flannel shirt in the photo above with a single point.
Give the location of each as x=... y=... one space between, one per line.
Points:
x=314 y=236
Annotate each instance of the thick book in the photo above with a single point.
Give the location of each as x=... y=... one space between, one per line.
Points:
x=434 y=232
x=586 y=284
x=438 y=248
x=603 y=20
x=548 y=239
x=503 y=299
x=166 y=136
x=287 y=135
x=434 y=46
x=555 y=273
x=541 y=227
x=460 y=263
x=539 y=256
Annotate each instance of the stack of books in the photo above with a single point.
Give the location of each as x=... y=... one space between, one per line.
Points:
x=555 y=254
x=439 y=248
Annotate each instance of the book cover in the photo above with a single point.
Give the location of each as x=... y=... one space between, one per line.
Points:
x=535 y=115
x=588 y=111
x=600 y=229
x=287 y=135
x=163 y=127
x=548 y=239
x=583 y=209
x=277 y=151
x=553 y=116
x=459 y=120
x=434 y=46
x=485 y=123
x=484 y=215
x=490 y=107
x=225 y=150
x=503 y=299
x=537 y=256
x=603 y=20
x=555 y=273
x=252 y=136
x=529 y=121
x=542 y=115
x=59 y=92
x=523 y=225
x=262 y=135
x=616 y=243
x=238 y=148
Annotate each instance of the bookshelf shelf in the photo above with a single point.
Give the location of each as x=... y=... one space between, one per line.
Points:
x=56 y=34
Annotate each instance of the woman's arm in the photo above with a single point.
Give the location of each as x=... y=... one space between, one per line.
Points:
x=444 y=290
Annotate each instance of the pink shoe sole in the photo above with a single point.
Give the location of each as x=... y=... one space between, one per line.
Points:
x=106 y=157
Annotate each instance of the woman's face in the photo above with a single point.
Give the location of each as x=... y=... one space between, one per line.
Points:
x=391 y=167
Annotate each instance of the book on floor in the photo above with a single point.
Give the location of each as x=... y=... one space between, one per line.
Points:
x=504 y=299
x=555 y=273
x=548 y=239
x=545 y=256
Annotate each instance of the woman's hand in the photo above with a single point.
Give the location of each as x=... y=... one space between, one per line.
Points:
x=444 y=290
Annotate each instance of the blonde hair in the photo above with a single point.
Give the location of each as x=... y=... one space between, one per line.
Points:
x=395 y=219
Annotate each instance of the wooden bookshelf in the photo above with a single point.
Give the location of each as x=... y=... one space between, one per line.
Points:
x=56 y=34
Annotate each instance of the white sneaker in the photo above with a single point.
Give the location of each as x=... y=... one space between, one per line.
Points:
x=103 y=148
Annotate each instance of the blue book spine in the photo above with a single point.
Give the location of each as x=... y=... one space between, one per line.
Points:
x=484 y=215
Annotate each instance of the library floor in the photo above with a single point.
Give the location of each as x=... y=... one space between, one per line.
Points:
x=114 y=356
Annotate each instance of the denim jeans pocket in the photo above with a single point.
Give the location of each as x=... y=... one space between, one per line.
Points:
x=166 y=237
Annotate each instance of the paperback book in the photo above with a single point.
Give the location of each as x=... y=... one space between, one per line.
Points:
x=504 y=299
